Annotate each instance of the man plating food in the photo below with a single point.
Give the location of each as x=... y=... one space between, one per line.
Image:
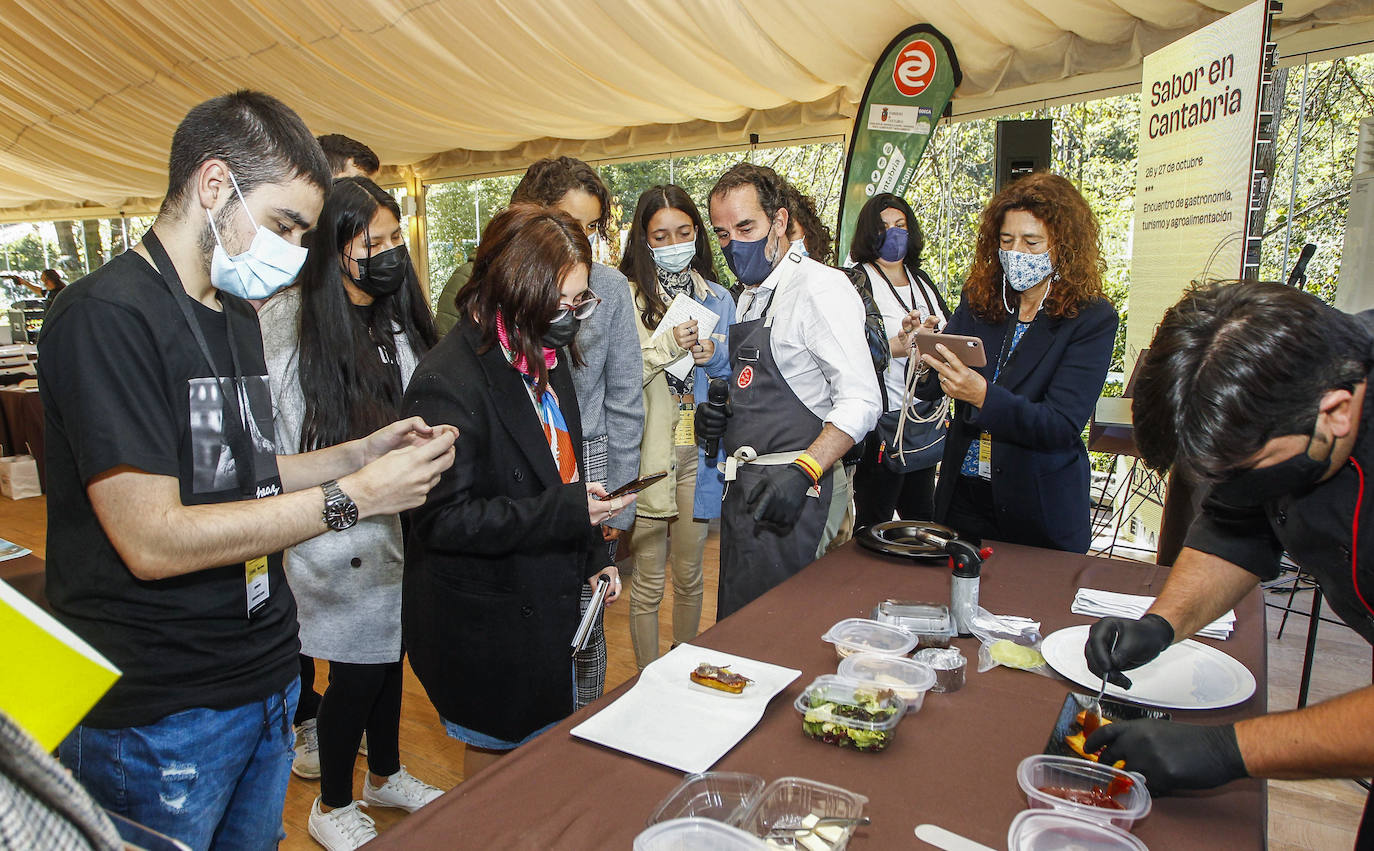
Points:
x=1259 y=390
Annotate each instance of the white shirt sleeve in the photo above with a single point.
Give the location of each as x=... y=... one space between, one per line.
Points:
x=833 y=328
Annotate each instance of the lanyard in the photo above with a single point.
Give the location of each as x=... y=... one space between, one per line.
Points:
x=1005 y=354
x=910 y=291
x=235 y=426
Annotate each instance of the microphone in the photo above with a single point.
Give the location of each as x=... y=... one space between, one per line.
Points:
x=717 y=397
x=1299 y=274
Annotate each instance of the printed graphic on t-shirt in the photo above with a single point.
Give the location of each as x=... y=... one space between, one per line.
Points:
x=215 y=467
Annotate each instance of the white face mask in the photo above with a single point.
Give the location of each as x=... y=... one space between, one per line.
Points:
x=674 y=258
x=269 y=265
x=1024 y=270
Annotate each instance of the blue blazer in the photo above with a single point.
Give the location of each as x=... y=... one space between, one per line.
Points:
x=1035 y=414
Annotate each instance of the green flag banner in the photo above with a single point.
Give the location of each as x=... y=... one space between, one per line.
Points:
x=907 y=93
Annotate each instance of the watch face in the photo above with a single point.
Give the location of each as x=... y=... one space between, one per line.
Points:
x=341 y=516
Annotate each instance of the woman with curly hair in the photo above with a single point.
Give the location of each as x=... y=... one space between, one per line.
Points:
x=1015 y=468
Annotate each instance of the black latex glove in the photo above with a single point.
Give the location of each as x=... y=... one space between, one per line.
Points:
x=1120 y=644
x=709 y=422
x=778 y=498
x=1171 y=756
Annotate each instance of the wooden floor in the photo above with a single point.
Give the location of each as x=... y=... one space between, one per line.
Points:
x=1318 y=814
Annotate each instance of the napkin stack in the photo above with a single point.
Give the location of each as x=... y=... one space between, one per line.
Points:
x=1099 y=604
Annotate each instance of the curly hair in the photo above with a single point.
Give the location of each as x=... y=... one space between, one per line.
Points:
x=546 y=181
x=1074 y=246
x=820 y=244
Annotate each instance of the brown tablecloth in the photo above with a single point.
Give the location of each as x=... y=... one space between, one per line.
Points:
x=23 y=427
x=953 y=764
x=26 y=574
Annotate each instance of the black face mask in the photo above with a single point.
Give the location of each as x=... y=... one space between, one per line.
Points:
x=383 y=274
x=1254 y=488
x=562 y=331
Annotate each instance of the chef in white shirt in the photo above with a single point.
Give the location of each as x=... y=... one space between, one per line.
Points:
x=802 y=393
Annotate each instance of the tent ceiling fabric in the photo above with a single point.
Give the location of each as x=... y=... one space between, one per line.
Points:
x=91 y=91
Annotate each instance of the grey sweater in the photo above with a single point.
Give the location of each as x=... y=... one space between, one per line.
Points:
x=609 y=387
x=347 y=584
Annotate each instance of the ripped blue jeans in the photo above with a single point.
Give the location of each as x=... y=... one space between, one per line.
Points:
x=209 y=777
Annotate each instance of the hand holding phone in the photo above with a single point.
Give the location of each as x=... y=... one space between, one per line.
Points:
x=969 y=350
x=637 y=485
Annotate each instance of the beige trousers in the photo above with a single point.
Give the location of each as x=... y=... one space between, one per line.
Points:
x=652 y=537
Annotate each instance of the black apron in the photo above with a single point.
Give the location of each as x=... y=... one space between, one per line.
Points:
x=768 y=416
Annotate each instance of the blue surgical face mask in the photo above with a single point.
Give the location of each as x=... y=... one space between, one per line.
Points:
x=269 y=265
x=1023 y=270
x=893 y=248
x=749 y=261
x=799 y=246
x=674 y=258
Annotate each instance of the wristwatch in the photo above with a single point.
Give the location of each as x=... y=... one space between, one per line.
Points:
x=340 y=512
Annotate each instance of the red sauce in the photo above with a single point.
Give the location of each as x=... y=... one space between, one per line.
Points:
x=1095 y=797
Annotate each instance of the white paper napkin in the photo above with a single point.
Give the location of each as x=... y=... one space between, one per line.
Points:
x=668 y=719
x=1097 y=603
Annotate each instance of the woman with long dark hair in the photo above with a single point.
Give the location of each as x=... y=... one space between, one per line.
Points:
x=341 y=345
x=667 y=255
x=887 y=248
x=499 y=553
x=1015 y=468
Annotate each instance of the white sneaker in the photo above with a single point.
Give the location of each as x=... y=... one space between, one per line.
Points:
x=307 y=761
x=362 y=746
x=401 y=790
x=341 y=829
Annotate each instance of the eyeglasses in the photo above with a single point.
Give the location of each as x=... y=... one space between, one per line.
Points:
x=582 y=309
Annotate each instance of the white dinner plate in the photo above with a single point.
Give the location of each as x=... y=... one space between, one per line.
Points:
x=1188 y=675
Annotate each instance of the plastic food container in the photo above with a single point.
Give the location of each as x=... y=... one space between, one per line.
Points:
x=788 y=800
x=1051 y=830
x=849 y=714
x=948 y=664
x=858 y=635
x=929 y=622
x=1066 y=772
x=909 y=680
x=720 y=795
x=695 y=834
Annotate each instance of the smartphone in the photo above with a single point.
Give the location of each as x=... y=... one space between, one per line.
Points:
x=967 y=349
x=636 y=486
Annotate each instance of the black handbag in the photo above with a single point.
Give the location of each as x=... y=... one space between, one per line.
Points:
x=922 y=443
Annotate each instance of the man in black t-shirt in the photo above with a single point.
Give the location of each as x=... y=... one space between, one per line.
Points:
x=169 y=509
x=1260 y=390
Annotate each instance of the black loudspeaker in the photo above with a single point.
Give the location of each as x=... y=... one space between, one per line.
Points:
x=1022 y=147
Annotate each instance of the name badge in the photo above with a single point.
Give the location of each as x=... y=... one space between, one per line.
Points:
x=985 y=456
x=685 y=433
x=255 y=576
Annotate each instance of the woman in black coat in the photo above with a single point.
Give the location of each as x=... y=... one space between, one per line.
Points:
x=1015 y=468
x=497 y=555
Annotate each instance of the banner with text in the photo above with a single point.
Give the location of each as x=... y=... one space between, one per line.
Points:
x=906 y=95
x=1199 y=110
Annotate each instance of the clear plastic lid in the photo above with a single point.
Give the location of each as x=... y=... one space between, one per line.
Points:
x=720 y=795
x=1051 y=830
x=1042 y=772
x=941 y=659
x=932 y=618
x=848 y=713
x=695 y=834
x=859 y=635
x=789 y=801
x=908 y=679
